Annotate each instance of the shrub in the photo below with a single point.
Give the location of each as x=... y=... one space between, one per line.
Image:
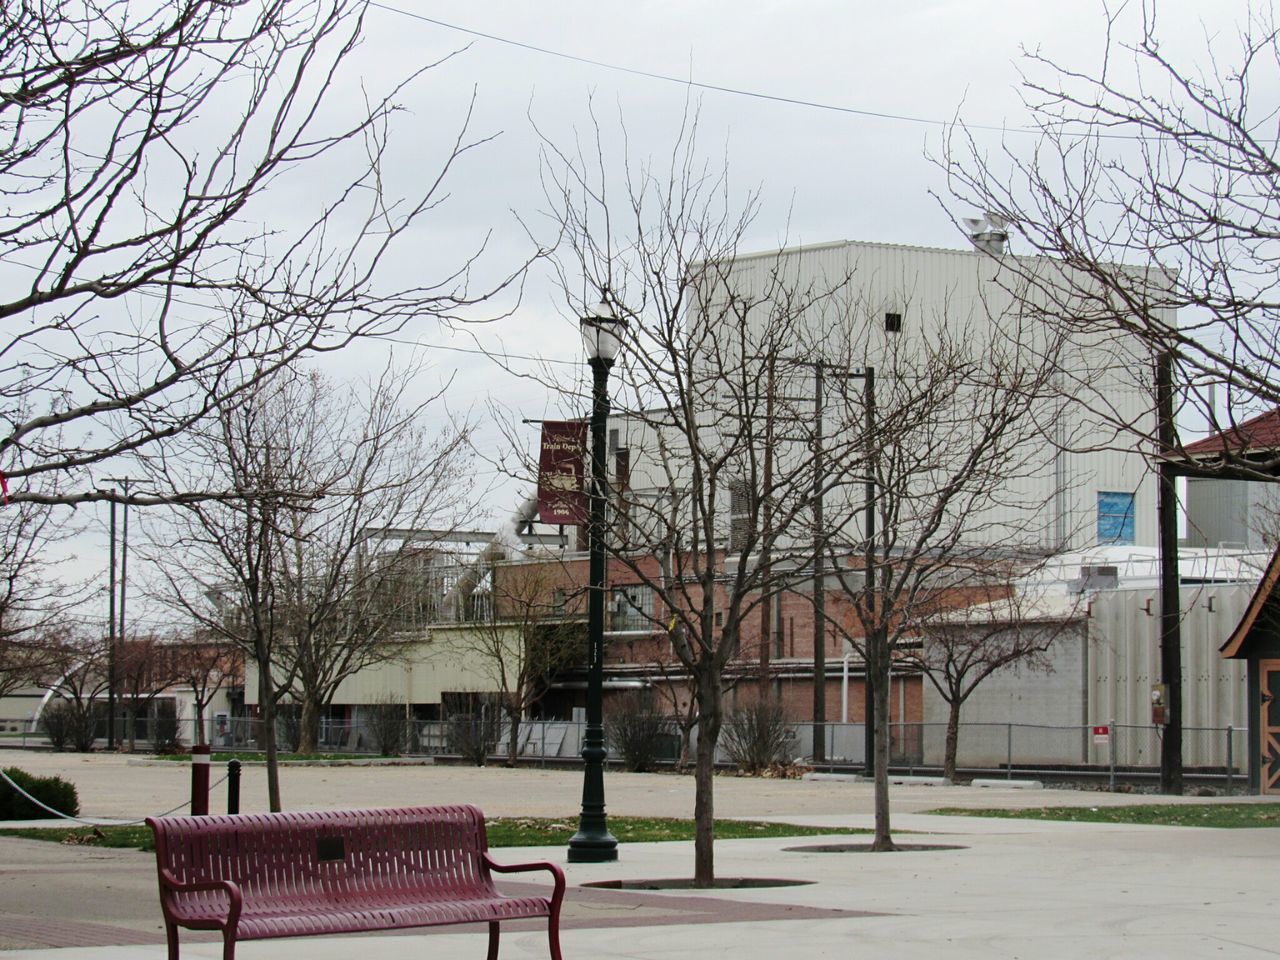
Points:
x=472 y=737
x=636 y=732
x=387 y=724
x=288 y=727
x=53 y=791
x=67 y=723
x=166 y=738
x=755 y=737
x=55 y=721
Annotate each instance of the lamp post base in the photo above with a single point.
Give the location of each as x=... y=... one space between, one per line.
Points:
x=593 y=847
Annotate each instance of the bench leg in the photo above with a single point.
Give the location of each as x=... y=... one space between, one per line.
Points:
x=553 y=934
x=493 y=940
x=228 y=946
x=171 y=934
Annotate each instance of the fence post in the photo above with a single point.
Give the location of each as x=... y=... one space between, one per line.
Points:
x=1008 y=751
x=1231 y=763
x=200 y=780
x=1111 y=750
x=233 y=786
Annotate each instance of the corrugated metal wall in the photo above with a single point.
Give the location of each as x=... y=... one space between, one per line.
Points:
x=1124 y=664
x=961 y=292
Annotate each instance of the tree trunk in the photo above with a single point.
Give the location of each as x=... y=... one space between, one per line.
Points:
x=267 y=734
x=710 y=717
x=131 y=716
x=199 y=738
x=879 y=663
x=513 y=745
x=953 y=741
x=309 y=726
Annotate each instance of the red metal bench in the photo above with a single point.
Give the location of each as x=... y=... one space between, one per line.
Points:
x=255 y=876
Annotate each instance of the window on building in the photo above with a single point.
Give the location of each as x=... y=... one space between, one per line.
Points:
x=1116 y=517
x=893 y=322
x=631 y=608
x=741 y=508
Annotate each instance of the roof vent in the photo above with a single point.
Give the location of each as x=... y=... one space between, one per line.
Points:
x=988 y=235
x=1095 y=578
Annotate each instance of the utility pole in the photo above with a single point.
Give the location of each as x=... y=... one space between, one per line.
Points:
x=111 y=634
x=766 y=507
x=819 y=594
x=867 y=376
x=1170 y=601
x=869 y=584
x=116 y=635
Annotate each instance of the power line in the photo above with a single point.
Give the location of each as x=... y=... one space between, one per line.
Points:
x=688 y=82
x=1091 y=133
x=389 y=338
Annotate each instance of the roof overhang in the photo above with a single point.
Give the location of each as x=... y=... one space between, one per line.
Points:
x=1233 y=648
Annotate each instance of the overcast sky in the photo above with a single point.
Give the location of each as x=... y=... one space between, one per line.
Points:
x=896 y=72
x=825 y=174
x=887 y=77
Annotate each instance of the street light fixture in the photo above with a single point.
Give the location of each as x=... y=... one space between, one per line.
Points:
x=602 y=333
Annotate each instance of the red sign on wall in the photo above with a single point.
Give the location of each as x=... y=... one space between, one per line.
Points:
x=561 y=496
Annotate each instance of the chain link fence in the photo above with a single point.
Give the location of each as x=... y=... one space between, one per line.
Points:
x=1001 y=749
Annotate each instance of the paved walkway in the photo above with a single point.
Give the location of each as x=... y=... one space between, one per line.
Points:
x=114 y=785
x=1016 y=889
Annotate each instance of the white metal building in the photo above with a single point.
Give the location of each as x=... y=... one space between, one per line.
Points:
x=1106 y=661
x=1087 y=483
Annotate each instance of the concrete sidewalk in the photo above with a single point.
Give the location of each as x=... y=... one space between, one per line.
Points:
x=1016 y=889
x=116 y=786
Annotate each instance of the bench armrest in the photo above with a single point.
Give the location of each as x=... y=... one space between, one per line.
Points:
x=171 y=885
x=557 y=874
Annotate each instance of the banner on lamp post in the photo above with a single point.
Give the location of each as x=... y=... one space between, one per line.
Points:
x=561 y=491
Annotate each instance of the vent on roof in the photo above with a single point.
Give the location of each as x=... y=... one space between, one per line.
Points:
x=1105 y=577
x=988 y=235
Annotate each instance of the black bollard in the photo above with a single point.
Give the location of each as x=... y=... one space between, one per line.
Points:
x=233 y=786
x=200 y=780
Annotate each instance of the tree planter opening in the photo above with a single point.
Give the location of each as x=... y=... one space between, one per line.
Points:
x=866 y=848
x=686 y=883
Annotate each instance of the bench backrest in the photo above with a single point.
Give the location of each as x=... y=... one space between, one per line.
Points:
x=273 y=856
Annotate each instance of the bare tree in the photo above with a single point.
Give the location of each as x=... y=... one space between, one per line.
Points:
x=970 y=632
x=307 y=581
x=957 y=472
x=674 y=689
x=205 y=667
x=701 y=506
x=142 y=671
x=522 y=636
x=32 y=594
x=151 y=278
x=78 y=681
x=1151 y=181
x=24 y=661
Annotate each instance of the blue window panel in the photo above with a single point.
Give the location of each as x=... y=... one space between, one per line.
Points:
x=1116 y=518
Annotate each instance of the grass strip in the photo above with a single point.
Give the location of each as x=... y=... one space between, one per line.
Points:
x=503 y=832
x=1223 y=815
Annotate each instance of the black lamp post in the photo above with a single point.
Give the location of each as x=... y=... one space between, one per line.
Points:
x=602 y=332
